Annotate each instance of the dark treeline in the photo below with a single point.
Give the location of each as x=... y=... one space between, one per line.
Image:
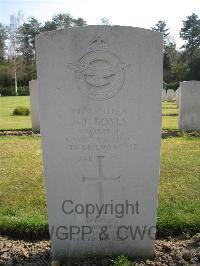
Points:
x=184 y=64
x=17 y=50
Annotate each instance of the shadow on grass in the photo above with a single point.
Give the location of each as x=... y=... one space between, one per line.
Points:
x=169 y=114
x=16 y=129
x=169 y=107
x=166 y=133
x=24 y=132
x=26 y=233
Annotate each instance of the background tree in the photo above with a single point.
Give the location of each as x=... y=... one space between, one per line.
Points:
x=170 y=53
x=14 y=40
x=190 y=33
x=179 y=71
x=62 y=21
x=105 y=21
x=161 y=27
x=194 y=69
x=170 y=57
x=3 y=37
x=48 y=26
x=79 y=22
x=17 y=58
x=28 y=32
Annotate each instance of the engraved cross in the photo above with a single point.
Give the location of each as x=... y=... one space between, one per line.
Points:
x=101 y=179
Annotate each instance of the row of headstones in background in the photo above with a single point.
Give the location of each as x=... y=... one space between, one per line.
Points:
x=188 y=99
x=100 y=96
x=168 y=95
x=34 y=104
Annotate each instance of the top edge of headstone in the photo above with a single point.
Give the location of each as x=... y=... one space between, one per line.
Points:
x=95 y=27
x=32 y=81
x=187 y=81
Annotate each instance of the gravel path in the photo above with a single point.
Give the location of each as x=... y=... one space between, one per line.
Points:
x=172 y=251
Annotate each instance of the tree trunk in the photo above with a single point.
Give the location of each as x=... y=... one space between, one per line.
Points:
x=16 y=89
x=15 y=73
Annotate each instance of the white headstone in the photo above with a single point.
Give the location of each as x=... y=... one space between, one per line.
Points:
x=164 y=95
x=170 y=95
x=189 y=105
x=177 y=95
x=33 y=89
x=100 y=107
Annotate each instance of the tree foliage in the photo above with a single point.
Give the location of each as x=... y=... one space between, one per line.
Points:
x=28 y=32
x=3 y=36
x=14 y=43
x=105 y=21
x=161 y=27
x=20 y=64
x=190 y=33
x=17 y=48
x=179 y=71
x=182 y=64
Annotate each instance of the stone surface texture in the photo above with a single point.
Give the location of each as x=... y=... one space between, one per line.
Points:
x=170 y=95
x=100 y=96
x=177 y=94
x=35 y=118
x=164 y=95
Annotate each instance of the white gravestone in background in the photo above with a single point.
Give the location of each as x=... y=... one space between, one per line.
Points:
x=189 y=105
x=100 y=107
x=170 y=95
x=177 y=94
x=164 y=95
x=33 y=89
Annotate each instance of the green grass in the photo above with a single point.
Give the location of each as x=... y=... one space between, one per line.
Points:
x=169 y=108
x=179 y=196
x=22 y=197
x=170 y=118
x=170 y=122
x=7 y=120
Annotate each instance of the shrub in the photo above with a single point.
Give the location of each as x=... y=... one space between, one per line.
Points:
x=23 y=91
x=7 y=91
x=173 y=85
x=21 y=110
x=10 y=91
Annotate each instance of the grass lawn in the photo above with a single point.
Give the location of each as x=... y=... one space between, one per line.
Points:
x=170 y=122
x=7 y=120
x=22 y=197
x=170 y=118
x=169 y=108
x=179 y=194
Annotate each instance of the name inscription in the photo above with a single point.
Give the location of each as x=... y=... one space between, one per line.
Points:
x=98 y=131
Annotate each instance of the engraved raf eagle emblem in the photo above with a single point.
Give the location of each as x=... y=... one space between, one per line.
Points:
x=97 y=76
x=99 y=73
